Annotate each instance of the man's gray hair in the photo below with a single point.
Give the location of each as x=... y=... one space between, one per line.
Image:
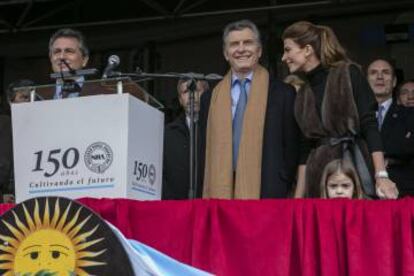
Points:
x=70 y=33
x=241 y=25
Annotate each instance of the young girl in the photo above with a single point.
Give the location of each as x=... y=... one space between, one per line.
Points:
x=340 y=180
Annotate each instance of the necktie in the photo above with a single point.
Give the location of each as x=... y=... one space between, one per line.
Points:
x=238 y=120
x=380 y=115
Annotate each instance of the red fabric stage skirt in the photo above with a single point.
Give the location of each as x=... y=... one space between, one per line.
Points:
x=272 y=237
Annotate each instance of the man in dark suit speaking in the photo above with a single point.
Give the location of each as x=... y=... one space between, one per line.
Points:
x=248 y=129
x=68 y=52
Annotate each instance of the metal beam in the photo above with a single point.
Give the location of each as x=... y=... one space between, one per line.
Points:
x=6 y=23
x=17 y=2
x=153 y=18
x=178 y=7
x=24 y=13
x=49 y=14
x=284 y=12
x=194 y=5
x=320 y=7
x=156 y=6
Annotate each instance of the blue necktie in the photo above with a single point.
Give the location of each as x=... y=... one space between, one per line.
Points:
x=238 y=120
x=380 y=116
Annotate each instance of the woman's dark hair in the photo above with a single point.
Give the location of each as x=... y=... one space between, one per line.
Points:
x=322 y=39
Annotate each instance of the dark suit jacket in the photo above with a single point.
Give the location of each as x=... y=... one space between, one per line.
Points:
x=397 y=133
x=280 y=154
x=6 y=151
x=176 y=160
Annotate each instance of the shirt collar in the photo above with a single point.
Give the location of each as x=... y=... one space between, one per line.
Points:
x=386 y=104
x=234 y=78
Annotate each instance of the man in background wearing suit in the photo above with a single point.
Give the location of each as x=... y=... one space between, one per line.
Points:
x=14 y=96
x=405 y=93
x=396 y=124
x=6 y=158
x=382 y=79
x=176 y=166
x=249 y=134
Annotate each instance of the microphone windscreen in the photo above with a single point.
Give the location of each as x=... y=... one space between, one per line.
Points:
x=114 y=60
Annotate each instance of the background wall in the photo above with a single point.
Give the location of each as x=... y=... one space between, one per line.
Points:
x=183 y=45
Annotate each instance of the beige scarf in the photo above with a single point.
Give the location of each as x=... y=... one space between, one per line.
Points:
x=218 y=175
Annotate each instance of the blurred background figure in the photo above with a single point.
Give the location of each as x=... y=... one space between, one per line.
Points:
x=405 y=93
x=396 y=123
x=382 y=79
x=5 y=155
x=19 y=95
x=176 y=166
x=184 y=95
x=15 y=95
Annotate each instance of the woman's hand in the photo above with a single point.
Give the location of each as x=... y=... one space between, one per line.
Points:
x=300 y=184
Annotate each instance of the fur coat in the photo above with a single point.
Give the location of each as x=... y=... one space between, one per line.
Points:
x=336 y=131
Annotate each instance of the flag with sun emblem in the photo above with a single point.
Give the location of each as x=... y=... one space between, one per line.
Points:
x=58 y=236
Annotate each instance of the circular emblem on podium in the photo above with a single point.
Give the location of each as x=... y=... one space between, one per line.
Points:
x=98 y=157
x=152 y=174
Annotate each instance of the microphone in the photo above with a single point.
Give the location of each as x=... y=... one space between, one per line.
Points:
x=213 y=77
x=198 y=76
x=71 y=70
x=113 y=62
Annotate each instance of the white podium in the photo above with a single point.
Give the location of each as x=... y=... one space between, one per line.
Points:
x=95 y=146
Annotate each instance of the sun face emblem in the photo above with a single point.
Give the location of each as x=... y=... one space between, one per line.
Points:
x=55 y=244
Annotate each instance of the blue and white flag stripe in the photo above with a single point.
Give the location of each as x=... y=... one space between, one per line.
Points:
x=148 y=261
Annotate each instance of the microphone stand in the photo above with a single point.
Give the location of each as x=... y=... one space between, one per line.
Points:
x=69 y=85
x=192 y=192
x=192 y=87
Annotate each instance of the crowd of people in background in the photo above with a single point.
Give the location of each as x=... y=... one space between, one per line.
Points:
x=332 y=129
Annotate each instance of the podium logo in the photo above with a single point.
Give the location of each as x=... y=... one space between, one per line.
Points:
x=152 y=174
x=98 y=157
x=144 y=172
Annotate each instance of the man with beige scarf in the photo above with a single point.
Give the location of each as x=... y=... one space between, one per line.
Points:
x=249 y=136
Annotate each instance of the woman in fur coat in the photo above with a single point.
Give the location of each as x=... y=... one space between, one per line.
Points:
x=335 y=110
